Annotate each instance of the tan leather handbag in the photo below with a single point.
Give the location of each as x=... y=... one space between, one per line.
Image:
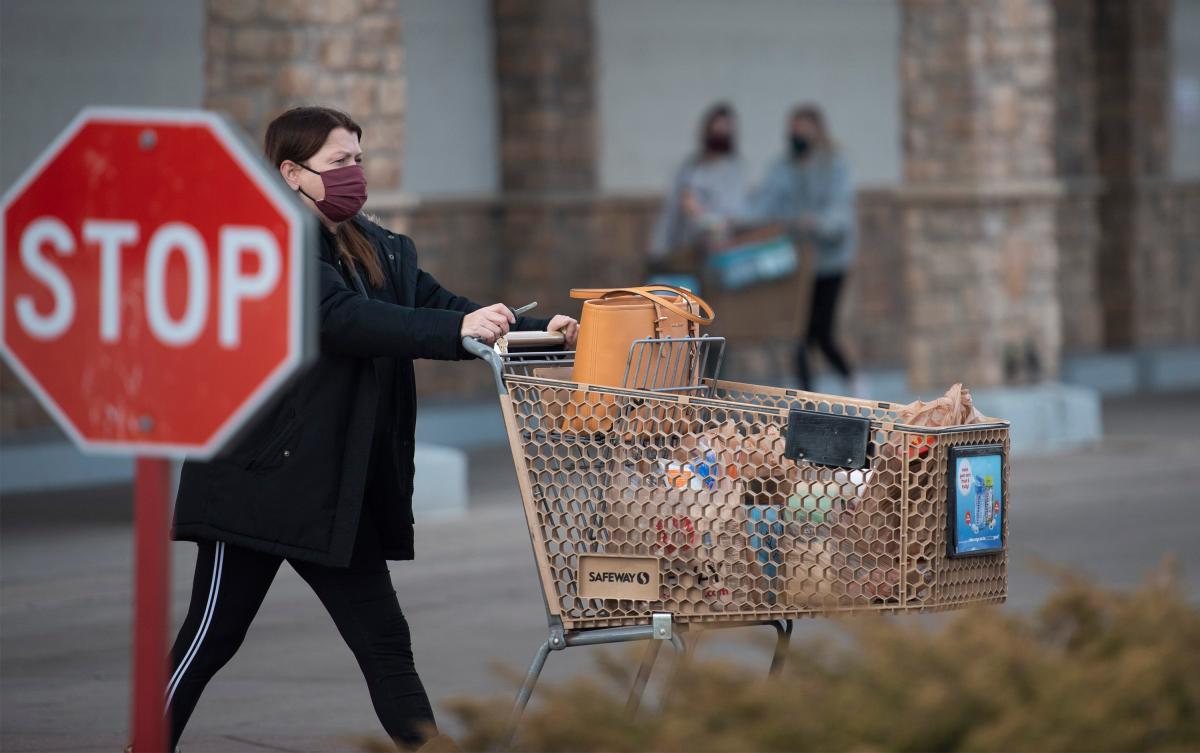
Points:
x=612 y=319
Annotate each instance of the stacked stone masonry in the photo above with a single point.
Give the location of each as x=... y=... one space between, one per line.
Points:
x=545 y=78
x=264 y=56
x=980 y=225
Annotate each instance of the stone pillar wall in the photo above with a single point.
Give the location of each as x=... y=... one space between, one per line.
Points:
x=546 y=223
x=1078 y=222
x=546 y=81
x=264 y=56
x=546 y=90
x=1133 y=147
x=979 y=195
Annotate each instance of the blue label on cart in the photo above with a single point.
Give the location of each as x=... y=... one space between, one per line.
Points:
x=978 y=509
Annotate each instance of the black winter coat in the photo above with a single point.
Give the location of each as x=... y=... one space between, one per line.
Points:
x=293 y=482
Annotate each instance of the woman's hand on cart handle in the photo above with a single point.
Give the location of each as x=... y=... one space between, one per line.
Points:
x=567 y=326
x=488 y=323
x=524 y=339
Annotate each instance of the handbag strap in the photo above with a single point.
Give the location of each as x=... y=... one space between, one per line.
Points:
x=648 y=292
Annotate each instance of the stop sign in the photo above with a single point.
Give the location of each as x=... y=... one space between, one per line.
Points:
x=153 y=276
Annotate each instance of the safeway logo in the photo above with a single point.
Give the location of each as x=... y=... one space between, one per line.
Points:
x=641 y=578
x=612 y=576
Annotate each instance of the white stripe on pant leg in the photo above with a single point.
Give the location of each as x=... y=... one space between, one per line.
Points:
x=208 y=605
x=209 y=608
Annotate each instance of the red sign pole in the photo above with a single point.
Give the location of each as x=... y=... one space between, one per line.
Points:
x=151 y=613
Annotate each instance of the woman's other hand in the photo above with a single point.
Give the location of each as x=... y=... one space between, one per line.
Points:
x=488 y=323
x=568 y=326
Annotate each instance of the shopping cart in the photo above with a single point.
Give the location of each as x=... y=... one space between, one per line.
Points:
x=709 y=503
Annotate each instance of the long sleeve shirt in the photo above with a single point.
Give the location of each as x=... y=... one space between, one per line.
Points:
x=822 y=189
x=720 y=186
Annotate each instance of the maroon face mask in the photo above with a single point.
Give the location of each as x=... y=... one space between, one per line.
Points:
x=345 y=191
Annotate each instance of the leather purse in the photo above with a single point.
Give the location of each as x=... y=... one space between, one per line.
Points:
x=612 y=320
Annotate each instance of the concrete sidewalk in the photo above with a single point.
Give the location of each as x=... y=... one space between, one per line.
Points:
x=1112 y=511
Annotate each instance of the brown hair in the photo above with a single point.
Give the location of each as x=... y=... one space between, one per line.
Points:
x=297 y=135
x=813 y=114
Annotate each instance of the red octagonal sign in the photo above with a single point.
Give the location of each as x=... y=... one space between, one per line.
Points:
x=153 y=276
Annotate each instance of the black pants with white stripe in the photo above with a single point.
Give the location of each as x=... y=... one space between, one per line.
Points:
x=228 y=588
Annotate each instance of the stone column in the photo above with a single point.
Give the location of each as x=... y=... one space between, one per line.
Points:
x=264 y=56
x=548 y=165
x=546 y=89
x=1076 y=165
x=979 y=192
x=1138 y=282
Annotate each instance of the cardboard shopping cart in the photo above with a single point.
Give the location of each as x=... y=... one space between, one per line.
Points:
x=711 y=503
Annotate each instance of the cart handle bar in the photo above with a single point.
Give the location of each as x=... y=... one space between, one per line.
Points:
x=482 y=350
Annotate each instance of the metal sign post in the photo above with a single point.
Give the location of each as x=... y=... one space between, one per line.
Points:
x=151 y=612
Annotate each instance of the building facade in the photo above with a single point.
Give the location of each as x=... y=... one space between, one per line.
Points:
x=1029 y=170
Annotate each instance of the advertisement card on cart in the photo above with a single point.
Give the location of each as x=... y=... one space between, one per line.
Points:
x=975 y=509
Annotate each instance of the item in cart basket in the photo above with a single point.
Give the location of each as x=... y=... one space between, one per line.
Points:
x=919 y=445
x=676 y=533
x=703 y=581
x=702 y=472
x=828 y=557
x=767 y=478
x=612 y=320
x=812 y=576
x=810 y=511
x=765 y=528
x=955 y=408
x=693 y=561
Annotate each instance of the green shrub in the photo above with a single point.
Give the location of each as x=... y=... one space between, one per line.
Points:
x=1093 y=669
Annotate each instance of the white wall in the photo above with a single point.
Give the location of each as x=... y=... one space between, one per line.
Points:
x=450 y=116
x=1185 y=59
x=661 y=62
x=57 y=56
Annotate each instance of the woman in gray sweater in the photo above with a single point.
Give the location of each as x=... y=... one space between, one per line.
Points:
x=810 y=189
x=709 y=191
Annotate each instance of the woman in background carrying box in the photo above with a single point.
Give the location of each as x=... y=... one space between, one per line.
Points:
x=709 y=190
x=810 y=189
